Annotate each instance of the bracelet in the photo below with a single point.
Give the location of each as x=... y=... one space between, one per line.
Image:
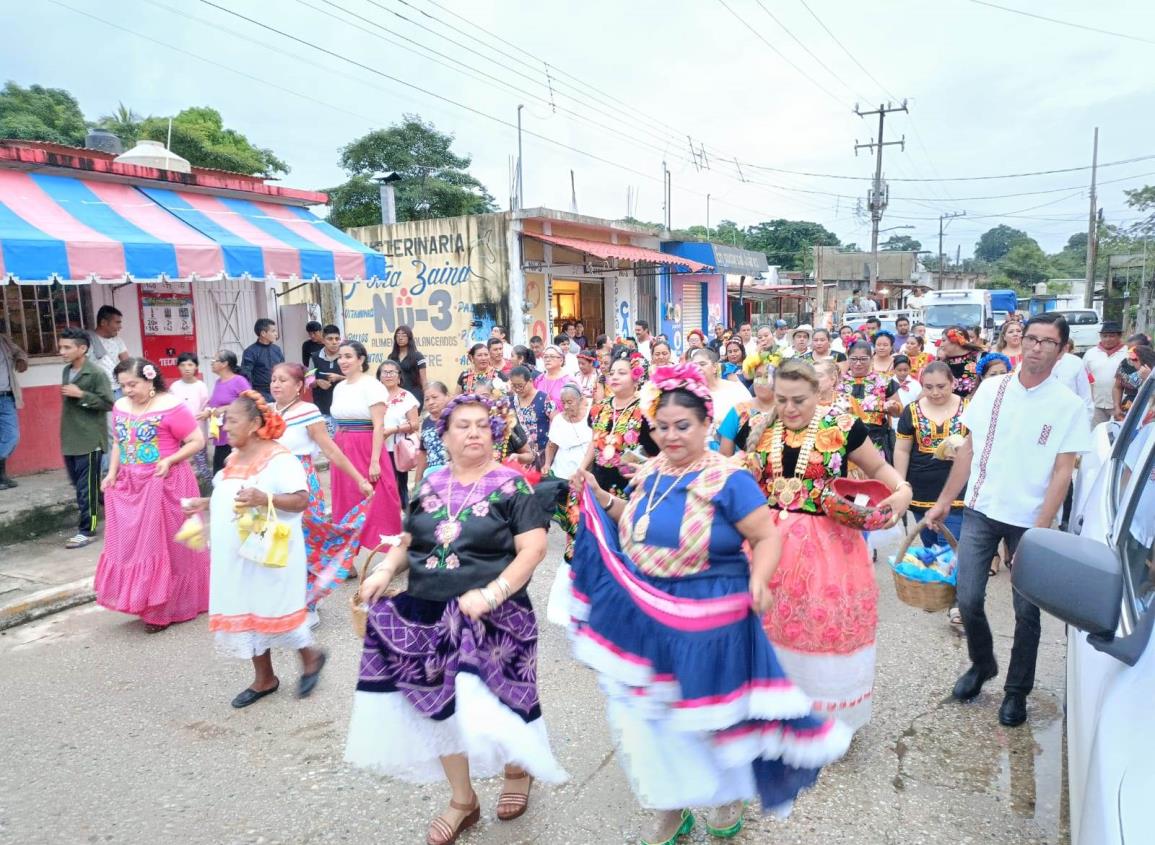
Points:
x=902 y=484
x=609 y=501
x=489 y=598
x=503 y=585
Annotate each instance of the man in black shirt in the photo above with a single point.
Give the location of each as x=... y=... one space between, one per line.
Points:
x=259 y=359
x=315 y=342
x=327 y=373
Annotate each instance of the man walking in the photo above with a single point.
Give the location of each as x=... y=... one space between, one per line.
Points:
x=643 y=337
x=327 y=374
x=259 y=359
x=1026 y=429
x=83 y=428
x=106 y=349
x=901 y=333
x=1102 y=362
x=749 y=342
x=13 y=360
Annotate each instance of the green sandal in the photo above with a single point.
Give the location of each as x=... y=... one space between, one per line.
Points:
x=684 y=829
x=731 y=831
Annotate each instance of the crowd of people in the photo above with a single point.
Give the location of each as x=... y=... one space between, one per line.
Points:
x=712 y=579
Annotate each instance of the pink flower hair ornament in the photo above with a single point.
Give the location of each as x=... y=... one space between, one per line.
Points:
x=685 y=377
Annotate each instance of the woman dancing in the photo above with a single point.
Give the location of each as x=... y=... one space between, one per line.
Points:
x=824 y=599
x=620 y=429
x=448 y=680
x=872 y=397
x=702 y=712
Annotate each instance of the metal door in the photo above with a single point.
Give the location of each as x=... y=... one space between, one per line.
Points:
x=691 y=307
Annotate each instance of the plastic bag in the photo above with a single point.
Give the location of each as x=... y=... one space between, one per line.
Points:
x=936 y=563
x=268 y=546
x=191 y=534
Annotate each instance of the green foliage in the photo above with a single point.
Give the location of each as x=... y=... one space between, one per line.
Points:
x=1071 y=261
x=124 y=123
x=1025 y=264
x=728 y=232
x=199 y=135
x=41 y=114
x=1143 y=199
x=901 y=243
x=997 y=242
x=787 y=243
x=434 y=180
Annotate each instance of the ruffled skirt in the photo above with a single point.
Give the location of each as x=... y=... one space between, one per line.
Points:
x=435 y=683
x=824 y=614
x=699 y=704
x=331 y=542
x=142 y=570
x=384 y=516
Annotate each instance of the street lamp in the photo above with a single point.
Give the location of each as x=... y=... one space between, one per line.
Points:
x=385 y=180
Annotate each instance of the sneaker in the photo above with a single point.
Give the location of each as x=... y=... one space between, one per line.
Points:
x=313 y=618
x=78 y=541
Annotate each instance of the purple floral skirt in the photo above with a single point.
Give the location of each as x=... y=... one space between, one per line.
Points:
x=417 y=647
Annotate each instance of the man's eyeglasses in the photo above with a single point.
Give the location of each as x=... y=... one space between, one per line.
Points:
x=1030 y=342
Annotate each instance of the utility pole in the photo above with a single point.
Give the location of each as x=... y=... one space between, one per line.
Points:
x=941 y=218
x=520 y=173
x=707 y=217
x=878 y=192
x=1093 y=229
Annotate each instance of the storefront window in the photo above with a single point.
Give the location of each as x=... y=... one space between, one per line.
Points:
x=34 y=315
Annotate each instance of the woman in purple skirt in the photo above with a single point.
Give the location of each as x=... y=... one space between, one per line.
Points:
x=448 y=679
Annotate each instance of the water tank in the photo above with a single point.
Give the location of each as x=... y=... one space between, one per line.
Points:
x=103 y=140
x=153 y=154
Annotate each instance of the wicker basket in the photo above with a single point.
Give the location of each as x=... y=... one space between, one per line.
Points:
x=360 y=611
x=927 y=595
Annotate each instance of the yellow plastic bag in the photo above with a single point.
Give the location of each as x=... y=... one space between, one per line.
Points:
x=267 y=543
x=191 y=534
x=214 y=426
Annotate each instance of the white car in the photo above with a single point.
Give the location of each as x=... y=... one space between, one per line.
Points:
x=1085 y=327
x=1102 y=584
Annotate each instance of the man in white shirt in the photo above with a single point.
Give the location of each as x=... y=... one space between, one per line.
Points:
x=644 y=339
x=498 y=333
x=782 y=340
x=749 y=342
x=726 y=394
x=108 y=349
x=1071 y=372
x=1025 y=431
x=1102 y=362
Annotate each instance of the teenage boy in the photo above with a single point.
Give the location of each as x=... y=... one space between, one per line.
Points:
x=327 y=375
x=259 y=358
x=87 y=397
x=313 y=344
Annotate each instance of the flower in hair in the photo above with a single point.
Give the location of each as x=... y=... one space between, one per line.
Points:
x=148 y=371
x=761 y=358
x=273 y=424
x=677 y=377
x=494 y=407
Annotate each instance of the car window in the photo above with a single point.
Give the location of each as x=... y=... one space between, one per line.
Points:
x=1134 y=425
x=1136 y=531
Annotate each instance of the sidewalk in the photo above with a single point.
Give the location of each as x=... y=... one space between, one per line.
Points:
x=40 y=504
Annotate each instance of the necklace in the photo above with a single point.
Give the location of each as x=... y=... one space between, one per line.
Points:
x=611 y=434
x=453 y=517
x=143 y=410
x=642 y=525
x=787 y=489
x=281 y=410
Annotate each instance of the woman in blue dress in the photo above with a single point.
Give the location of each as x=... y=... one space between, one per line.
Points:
x=665 y=606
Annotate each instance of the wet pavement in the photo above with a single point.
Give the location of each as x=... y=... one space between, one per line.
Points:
x=114 y=736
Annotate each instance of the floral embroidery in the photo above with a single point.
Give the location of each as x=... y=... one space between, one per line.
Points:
x=965 y=369
x=825 y=464
x=615 y=432
x=931 y=434
x=871 y=407
x=137 y=439
x=448 y=529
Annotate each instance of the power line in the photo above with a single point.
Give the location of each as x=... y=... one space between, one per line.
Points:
x=810 y=53
x=1138 y=38
x=861 y=67
x=783 y=56
x=953 y=178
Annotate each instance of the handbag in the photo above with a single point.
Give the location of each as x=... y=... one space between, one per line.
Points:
x=267 y=543
x=856 y=503
x=405 y=453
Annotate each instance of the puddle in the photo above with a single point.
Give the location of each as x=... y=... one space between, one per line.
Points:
x=962 y=748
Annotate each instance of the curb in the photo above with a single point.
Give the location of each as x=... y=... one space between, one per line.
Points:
x=46 y=602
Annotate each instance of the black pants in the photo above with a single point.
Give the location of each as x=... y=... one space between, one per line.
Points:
x=84 y=473
x=402 y=488
x=977 y=545
x=220 y=455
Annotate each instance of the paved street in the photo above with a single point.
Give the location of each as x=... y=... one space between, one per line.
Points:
x=114 y=736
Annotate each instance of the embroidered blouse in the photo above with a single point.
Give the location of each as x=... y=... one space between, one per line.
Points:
x=869 y=395
x=616 y=432
x=927 y=474
x=148 y=437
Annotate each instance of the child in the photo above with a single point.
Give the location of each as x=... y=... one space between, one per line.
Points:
x=993 y=364
x=87 y=395
x=909 y=388
x=194 y=393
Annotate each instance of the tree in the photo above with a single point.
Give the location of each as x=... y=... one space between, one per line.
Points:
x=124 y=123
x=1071 y=261
x=901 y=243
x=786 y=242
x=1143 y=199
x=1025 y=264
x=434 y=180
x=41 y=114
x=199 y=135
x=997 y=242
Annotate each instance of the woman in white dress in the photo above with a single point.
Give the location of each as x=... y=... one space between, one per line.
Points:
x=331 y=542
x=402 y=418
x=253 y=607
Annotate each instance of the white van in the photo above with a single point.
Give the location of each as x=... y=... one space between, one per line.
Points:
x=1085 y=327
x=942 y=309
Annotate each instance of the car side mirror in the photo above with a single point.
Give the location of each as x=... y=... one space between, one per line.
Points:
x=990 y=323
x=1077 y=579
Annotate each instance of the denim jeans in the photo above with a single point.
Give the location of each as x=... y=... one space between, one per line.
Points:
x=977 y=545
x=9 y=427
x=84 y=473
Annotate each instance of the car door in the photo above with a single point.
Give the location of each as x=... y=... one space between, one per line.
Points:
x=1110 y=735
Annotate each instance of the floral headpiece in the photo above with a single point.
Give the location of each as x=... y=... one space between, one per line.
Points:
x=148 y=371
x=639 y=367
x=992 y=358
x=274 y=424
x=686 y=377
x=494 y=404
x=759 y=359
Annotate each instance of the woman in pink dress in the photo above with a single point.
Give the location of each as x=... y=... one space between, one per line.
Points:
x=143 y=570
x=554 y=378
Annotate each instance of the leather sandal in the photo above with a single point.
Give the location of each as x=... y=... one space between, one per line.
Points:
x=512 y=805
x=442 y=832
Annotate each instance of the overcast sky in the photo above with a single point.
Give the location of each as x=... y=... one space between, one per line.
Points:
x=990 y=93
